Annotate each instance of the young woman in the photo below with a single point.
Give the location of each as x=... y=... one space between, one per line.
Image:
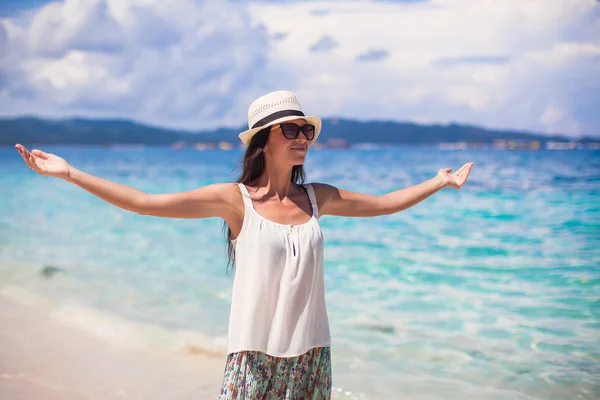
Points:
x=279 y=339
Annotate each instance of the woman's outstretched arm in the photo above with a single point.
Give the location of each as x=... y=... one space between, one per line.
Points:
x=209 y=201
x=334 y=201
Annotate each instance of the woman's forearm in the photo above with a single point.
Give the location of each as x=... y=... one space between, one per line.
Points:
x=405 y=198
x=114 y=193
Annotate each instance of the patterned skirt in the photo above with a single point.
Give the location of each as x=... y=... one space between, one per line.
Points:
x=251 y=375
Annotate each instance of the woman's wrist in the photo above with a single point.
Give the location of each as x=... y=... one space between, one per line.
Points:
x=440 y=182
x=69 y=175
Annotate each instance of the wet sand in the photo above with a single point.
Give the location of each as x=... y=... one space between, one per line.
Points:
x=41 y=358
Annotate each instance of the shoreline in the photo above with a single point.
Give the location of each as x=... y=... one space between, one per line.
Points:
x=42 y=358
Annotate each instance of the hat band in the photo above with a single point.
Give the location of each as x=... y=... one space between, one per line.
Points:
x=277 y=115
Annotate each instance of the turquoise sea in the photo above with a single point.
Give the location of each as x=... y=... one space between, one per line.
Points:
x=490 y=292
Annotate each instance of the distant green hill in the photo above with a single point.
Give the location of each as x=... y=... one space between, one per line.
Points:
x=77 y=131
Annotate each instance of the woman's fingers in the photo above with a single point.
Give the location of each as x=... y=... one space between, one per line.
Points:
x=22 y=150
x=461 y=173
x=24 y=154
x=34 y=160
x=465 y=173
x=19 y=148
x=39 y=153
x=464 y=170
x=460 y=176
x=31 y=161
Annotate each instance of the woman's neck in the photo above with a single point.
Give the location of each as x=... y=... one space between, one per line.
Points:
x=276 y=182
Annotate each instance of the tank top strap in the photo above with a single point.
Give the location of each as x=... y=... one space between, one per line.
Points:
x=245 y=195
x=313 y=199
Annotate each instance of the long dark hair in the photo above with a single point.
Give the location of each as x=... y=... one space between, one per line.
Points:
x=253 y=166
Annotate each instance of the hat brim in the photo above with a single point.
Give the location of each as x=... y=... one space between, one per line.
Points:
x=246 y=136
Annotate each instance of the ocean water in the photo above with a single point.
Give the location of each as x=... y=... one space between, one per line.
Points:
x=491 y=292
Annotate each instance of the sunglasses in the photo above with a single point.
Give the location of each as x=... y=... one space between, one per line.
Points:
x=291 y=131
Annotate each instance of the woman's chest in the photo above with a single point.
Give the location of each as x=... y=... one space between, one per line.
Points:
x=276 y=241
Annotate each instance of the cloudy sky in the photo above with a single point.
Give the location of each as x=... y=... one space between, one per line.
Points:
x=197 y=64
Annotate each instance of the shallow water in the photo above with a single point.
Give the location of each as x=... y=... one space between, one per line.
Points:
x=492 y=291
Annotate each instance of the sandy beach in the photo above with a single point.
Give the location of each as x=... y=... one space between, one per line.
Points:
x=41 y=358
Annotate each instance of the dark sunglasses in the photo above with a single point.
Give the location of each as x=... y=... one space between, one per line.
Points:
x=291 y=131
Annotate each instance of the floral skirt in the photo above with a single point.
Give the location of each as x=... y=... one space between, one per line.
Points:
x=251 y=375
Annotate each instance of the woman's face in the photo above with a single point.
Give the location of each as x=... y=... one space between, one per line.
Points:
x=284 y=150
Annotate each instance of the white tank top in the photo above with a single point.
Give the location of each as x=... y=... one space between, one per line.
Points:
x=278 y=296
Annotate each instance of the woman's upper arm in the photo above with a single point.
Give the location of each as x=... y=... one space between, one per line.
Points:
x=334 y=201
x=216 y=200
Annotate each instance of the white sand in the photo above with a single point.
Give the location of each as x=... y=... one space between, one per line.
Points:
x=40 y=358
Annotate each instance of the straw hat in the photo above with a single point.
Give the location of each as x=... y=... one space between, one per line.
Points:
x=275 y=108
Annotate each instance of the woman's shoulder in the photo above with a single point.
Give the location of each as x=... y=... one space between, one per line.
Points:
x=322 y=188
x=225 y=188
x=323 y=192
x=228 y=192
x=231 y=197
x=228 y=189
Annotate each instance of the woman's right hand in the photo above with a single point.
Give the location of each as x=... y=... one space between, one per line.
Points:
x=44 y=163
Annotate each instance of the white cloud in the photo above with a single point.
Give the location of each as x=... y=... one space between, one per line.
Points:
x=325 y=44
x=522 y=64
x=551 y=116
x=499 y=64
x=171 y=64
x=557 y=120
x=564 y=54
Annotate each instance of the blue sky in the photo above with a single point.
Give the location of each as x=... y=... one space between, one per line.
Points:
x=197 y=64
x=10 y=7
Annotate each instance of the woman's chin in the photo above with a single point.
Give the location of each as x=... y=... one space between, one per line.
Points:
x=299 y=160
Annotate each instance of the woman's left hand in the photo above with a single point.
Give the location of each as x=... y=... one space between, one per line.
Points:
x=457 y=179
